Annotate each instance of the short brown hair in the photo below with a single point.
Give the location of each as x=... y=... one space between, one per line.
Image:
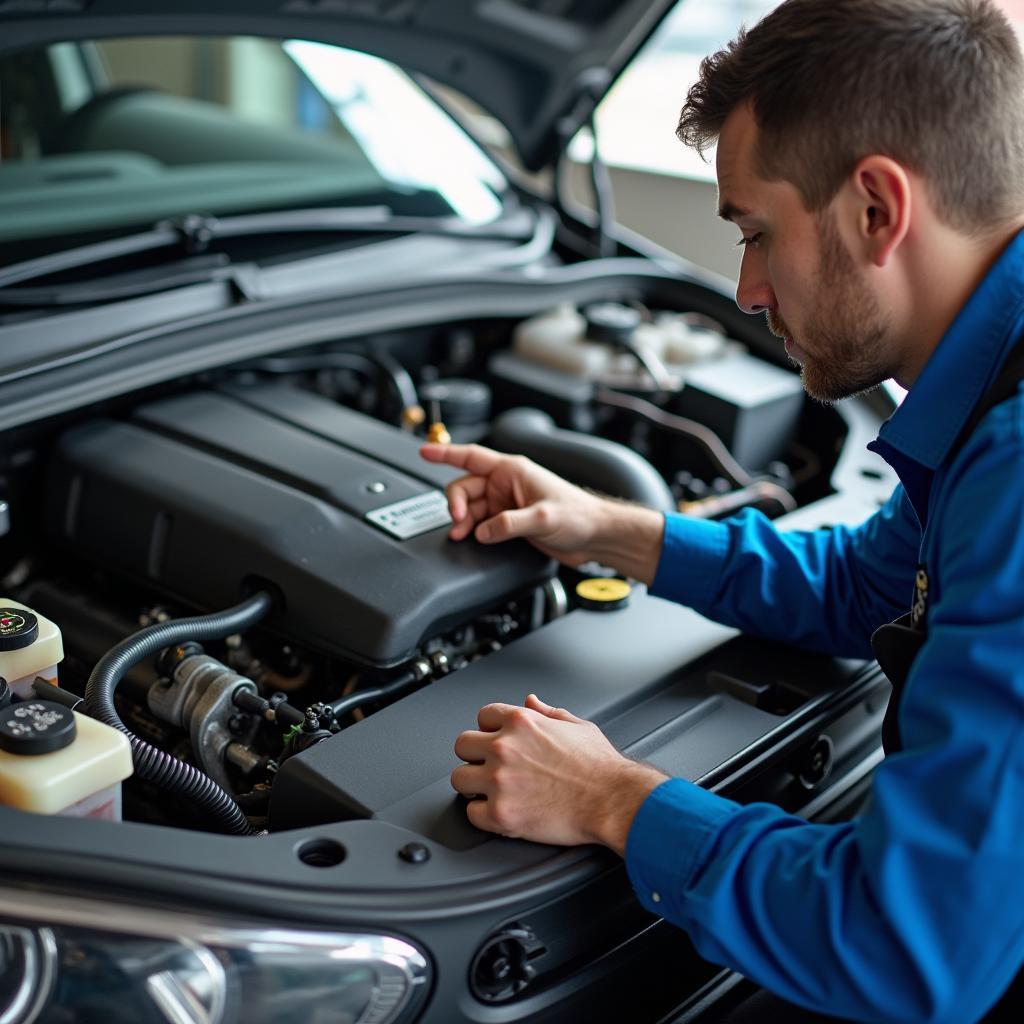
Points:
x=937 y=85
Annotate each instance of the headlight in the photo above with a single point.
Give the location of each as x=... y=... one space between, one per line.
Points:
x=27 y=959
x=110 y=963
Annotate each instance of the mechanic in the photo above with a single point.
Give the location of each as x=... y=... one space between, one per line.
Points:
x=871 y=154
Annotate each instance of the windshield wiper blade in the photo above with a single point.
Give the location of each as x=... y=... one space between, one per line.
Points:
x=514 y=226
x=129 y=285
x=194 y=233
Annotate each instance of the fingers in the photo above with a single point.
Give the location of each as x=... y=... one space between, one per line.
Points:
x=532 y=521
x=466 y=503
x=470 y=780
x=534 y=703
x=474 y=458
x=480 y=814
x=492 y=717
x=461 y=492
x=472 y=745
x=468 y=499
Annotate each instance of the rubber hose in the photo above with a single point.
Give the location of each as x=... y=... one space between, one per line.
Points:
x=151 y=763
x=354 y=700
x=593 y=462
x=376 y=364
x=706 y=438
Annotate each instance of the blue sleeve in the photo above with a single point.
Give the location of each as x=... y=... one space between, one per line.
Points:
x=914 y=912
x=826 y=590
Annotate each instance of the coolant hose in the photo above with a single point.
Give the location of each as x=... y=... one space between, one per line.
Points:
x=593 y=462
x=151 y=763
x=344 y=705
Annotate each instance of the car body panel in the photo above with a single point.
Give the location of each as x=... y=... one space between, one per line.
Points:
x=541 y=72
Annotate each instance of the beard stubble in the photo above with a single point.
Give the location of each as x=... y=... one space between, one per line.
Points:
x=846 y=341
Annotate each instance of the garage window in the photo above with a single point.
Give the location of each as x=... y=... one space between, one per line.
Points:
x=636 y=121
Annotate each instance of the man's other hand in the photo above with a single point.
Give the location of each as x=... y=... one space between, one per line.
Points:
x=540 y=773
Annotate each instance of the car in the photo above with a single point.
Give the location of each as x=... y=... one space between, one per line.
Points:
x=250 y=257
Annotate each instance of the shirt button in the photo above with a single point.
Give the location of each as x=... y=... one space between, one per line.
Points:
x=656 y=896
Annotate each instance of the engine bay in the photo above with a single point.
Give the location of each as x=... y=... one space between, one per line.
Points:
x=297 y=476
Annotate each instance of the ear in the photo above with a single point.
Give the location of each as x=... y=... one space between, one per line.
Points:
x=883 y=200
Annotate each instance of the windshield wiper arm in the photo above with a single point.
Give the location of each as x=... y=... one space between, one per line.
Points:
x=190 y=234
x=194 y=233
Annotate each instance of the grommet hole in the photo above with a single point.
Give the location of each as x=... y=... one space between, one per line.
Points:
x=321 y=853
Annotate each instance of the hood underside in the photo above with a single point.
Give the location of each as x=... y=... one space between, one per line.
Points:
x=540 y=66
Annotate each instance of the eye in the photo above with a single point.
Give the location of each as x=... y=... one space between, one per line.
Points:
x=752 y=240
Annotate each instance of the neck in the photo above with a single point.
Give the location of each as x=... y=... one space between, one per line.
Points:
x=941 y=288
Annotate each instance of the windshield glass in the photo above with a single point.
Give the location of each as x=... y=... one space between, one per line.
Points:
x=101 y=137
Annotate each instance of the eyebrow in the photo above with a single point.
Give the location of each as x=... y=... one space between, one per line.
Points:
x=729 y=212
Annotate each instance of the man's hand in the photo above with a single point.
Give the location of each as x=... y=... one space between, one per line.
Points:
x=506 y=496
x=543 y=774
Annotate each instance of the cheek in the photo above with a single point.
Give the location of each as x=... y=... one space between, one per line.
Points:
x=799 y=284
x=795 y=274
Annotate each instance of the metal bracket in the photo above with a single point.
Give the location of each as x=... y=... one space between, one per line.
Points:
x=200 y=697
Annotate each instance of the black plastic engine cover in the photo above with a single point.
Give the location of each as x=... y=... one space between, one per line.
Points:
x=206 y=493
x=666 y=686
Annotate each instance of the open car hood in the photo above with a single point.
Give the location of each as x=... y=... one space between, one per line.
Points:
x=540 y=66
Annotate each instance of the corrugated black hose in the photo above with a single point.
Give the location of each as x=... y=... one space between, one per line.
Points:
x=154 y=764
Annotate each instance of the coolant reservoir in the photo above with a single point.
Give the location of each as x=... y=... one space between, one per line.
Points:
x=597 y=343
x=684 y=343
x=653 y=338
x=557 y=340
x=30 y=646
x=56 y=761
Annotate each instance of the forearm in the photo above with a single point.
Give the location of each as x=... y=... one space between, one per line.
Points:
x=621 y=797
x=826 y=590
x=628 y=538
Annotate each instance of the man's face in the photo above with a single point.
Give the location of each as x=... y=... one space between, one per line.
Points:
x=797 y=270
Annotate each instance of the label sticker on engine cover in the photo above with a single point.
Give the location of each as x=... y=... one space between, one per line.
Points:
x=412 y=516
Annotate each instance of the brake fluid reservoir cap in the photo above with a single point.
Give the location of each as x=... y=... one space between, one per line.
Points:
x=18 y=628
x=603 y=594
x=36 y=727
x=611 y=322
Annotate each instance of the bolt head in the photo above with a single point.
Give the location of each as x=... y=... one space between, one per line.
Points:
x=414 y=853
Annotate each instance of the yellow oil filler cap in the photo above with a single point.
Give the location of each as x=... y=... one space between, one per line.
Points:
x=603 y=594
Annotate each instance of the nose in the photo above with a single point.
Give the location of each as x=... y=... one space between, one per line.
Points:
x=754 y=293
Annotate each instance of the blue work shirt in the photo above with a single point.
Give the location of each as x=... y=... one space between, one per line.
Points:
x=915 y=911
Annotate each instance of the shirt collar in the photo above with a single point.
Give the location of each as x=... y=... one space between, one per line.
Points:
x=963 y=365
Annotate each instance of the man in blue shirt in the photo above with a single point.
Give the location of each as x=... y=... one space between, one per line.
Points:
x=871 y=153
